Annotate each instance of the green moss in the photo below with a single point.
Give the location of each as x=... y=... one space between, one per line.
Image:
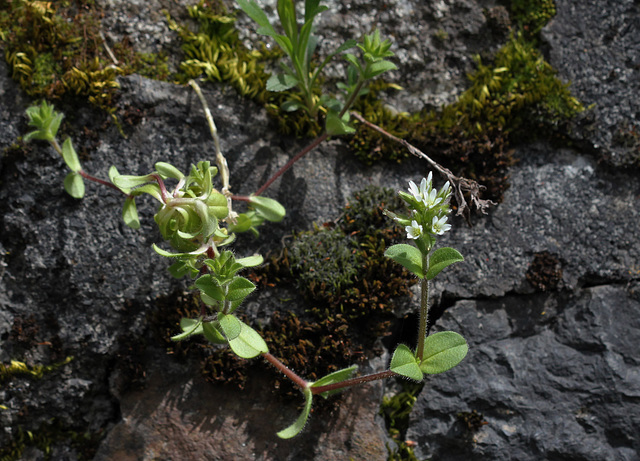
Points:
x=215 y=52
x=55 y=50
x=514 y=96
x=532 y=15
x=53 y=433
x=17 y=368
x=396 y=411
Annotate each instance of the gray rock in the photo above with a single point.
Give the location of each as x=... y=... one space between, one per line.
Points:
x=554 y=376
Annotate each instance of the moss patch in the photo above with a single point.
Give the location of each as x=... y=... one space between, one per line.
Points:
x=513 y=96
x=55 y=50
x=396 y=411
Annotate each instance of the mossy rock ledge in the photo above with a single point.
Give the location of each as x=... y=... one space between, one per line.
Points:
x=548 y=295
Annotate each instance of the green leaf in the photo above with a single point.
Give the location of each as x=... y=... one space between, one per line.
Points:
x=254 y=12
x=336 y=126
x=376 y=68
x=230 y=325
x=70 y=157
x=299 y=424
x=211 y=287
x=291 y=105
x=113 y=172
x=408 y=256
x=189 y=327
x=251 y=261
x=239 y=288
x=74 y=185
x=243 y=224
x=130 y=213
x=151 y=189
x=335 y=377
x=128 y=181
x=166 y=170
x=212 y=333
x=441 y=258
x=180 y=269
x=248 y=344
x=281 y=82
x=443 y=351
x=269 y=209
x=405 y=364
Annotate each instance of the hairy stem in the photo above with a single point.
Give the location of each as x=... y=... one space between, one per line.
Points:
x=353 y=381
x=289 y=373
x=424 y=307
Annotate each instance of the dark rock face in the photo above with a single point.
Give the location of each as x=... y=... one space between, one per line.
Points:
x=552 y=367
x=596 y=47
x=552 y=380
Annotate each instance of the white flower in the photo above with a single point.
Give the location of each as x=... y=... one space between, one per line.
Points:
x=431 y=199
x=414 y=231
x=438 y=226
x=418 y=193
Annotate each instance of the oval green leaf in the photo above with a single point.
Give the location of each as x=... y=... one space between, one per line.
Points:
x=251 y=261
x=70 y=157
x=408 y=256
x=405 y=364
x=443 y=351
x=248 y=344
x=268 y=208
x=239 y=288
x=130 y=213
x=74 y=185
x=441 y=258
x=336 y=126
x=230 y=325
x=211 y=287
x=166 y=170
x=299 y=424
x=281 y=82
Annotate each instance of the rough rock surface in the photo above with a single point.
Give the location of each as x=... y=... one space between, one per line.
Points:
x=553 y=373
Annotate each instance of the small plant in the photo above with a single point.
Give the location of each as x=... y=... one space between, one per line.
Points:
x=300 y=44
x=198 y=221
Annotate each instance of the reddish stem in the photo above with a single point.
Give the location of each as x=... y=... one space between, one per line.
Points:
x=98 y=180
x=353 y=381
x=241 y=198
x=301 y=383
x=290 y=163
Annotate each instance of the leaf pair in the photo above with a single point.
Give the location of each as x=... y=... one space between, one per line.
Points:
x=335 y=377
x=411 y=258
x=244 y=341
x=442 y=351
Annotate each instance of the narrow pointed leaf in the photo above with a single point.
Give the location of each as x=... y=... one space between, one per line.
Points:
x=378 y=68
x=408 y=256
x=128 y=181
x=441 y=258
x=166 y=170
x=130 y=213
x=443 y=351
x=248 y=344
x=404 y=363
x=299 y=424
x=230 y=325
x=189 y=327
x=74 y=185
x=70 y=157
x=335 y=377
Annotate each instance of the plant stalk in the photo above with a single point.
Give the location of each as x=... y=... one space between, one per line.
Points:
x=424 y=307
x=353 y=382
x=289 y=373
